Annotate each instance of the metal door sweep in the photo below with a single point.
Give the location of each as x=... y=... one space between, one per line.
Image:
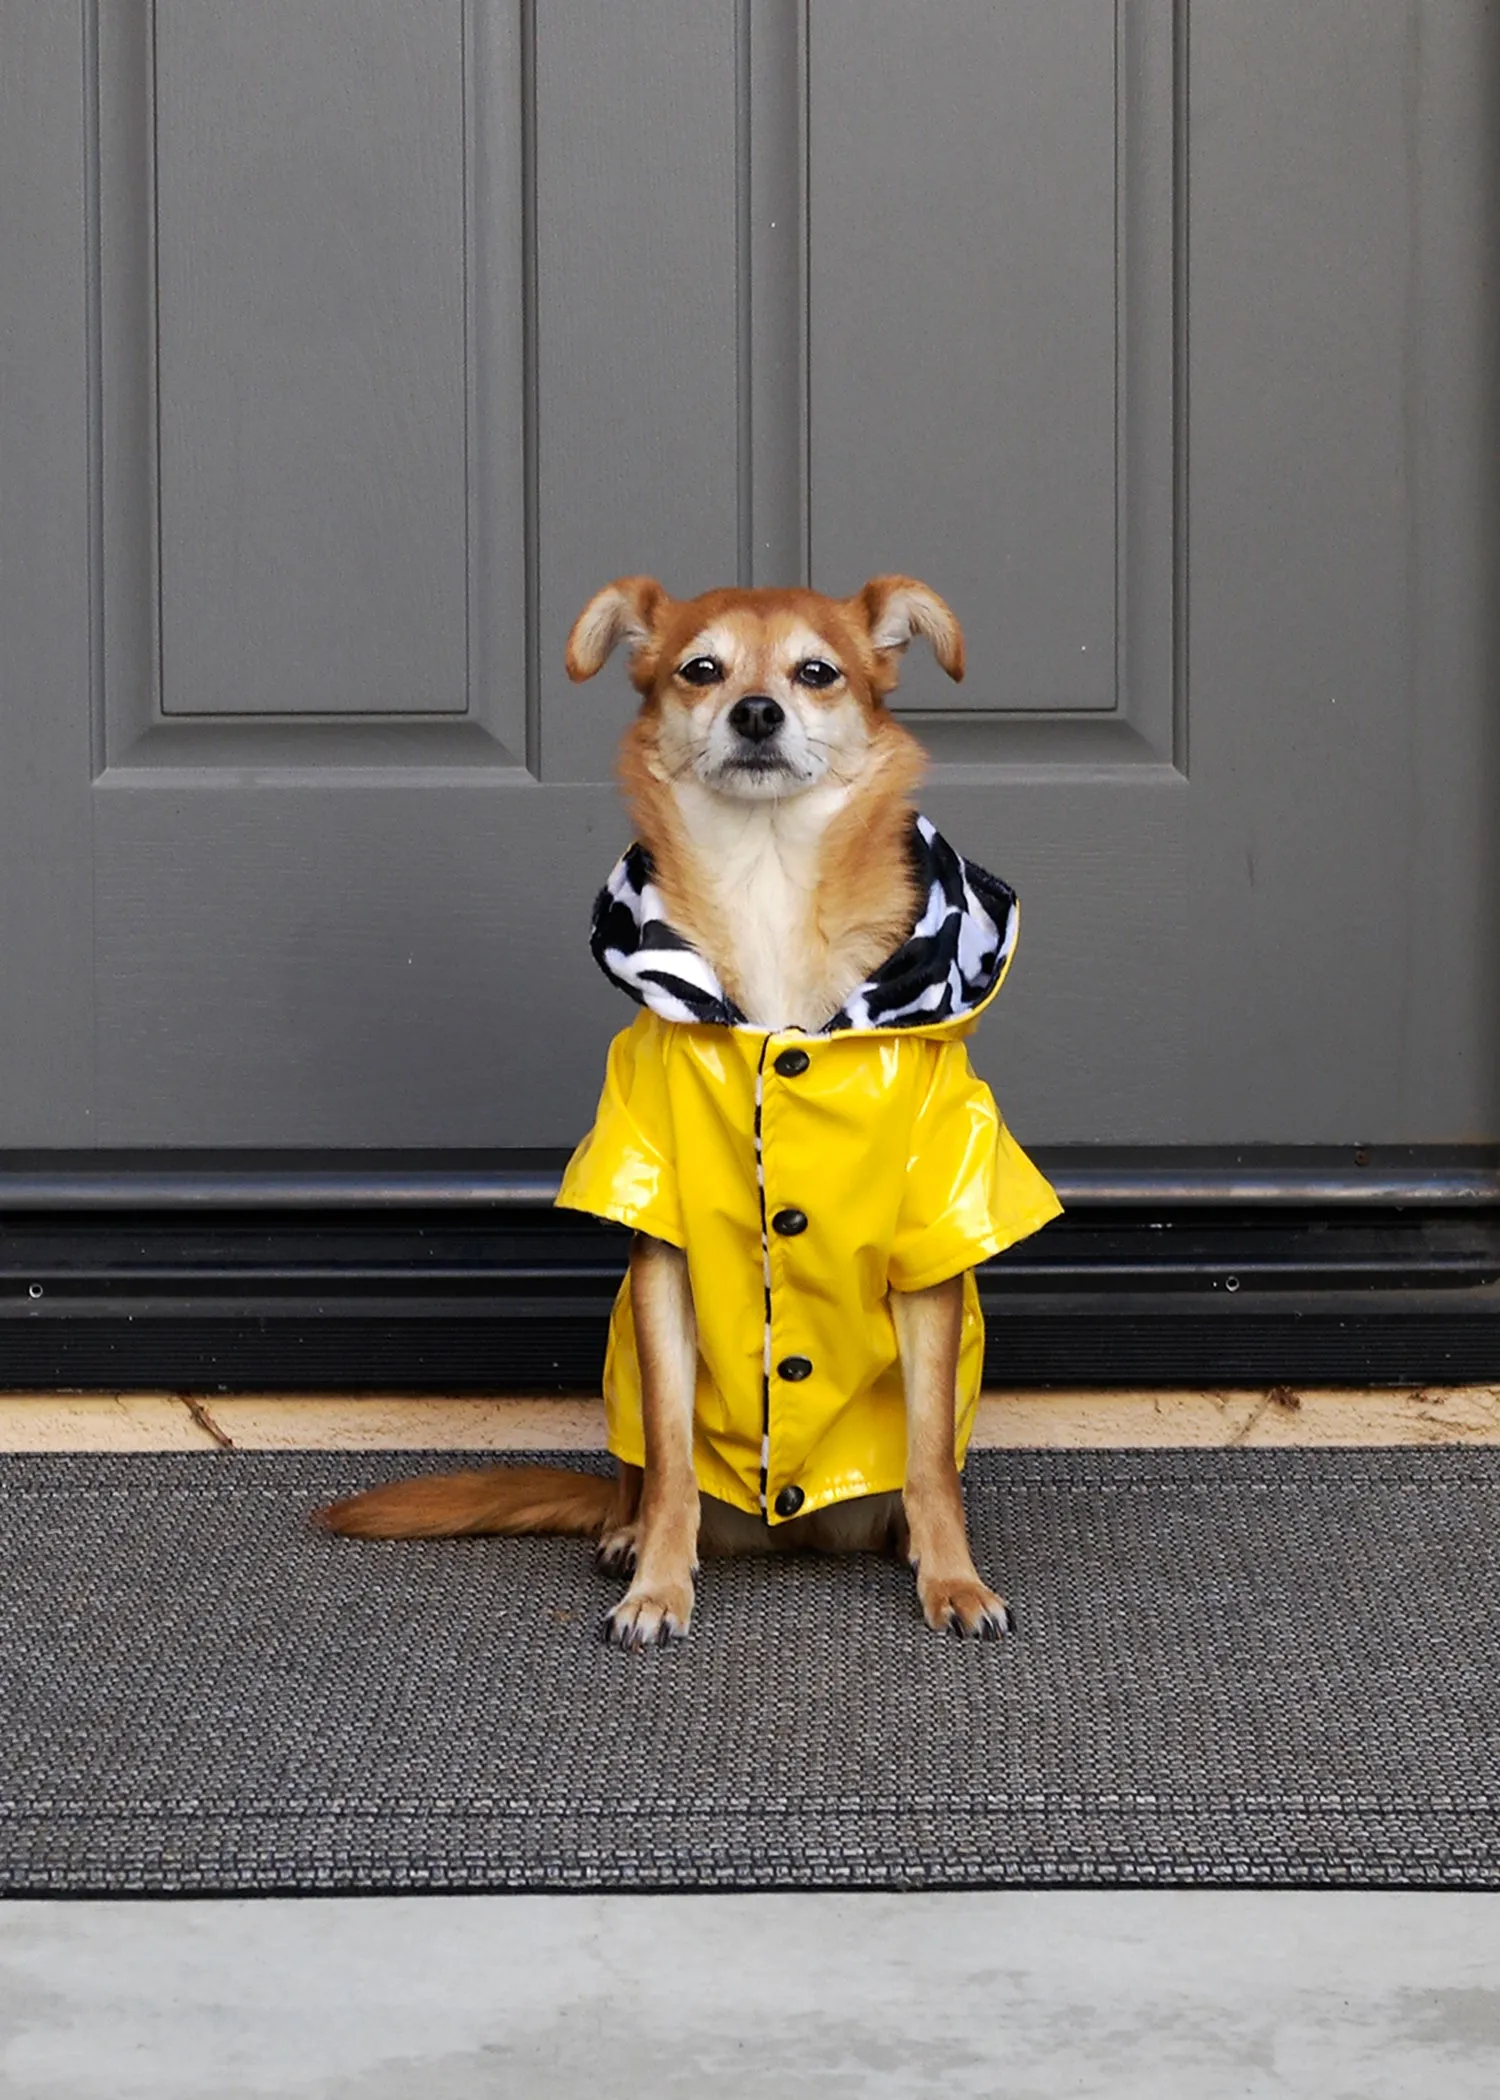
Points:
x=229 y=1272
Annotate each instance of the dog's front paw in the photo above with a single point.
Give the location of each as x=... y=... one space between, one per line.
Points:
x=962 y=1605
x=650 y=1616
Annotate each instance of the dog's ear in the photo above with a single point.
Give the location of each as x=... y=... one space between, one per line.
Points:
x=624 y=611
x=897 y=607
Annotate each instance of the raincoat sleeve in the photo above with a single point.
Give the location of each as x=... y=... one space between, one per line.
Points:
x=624 y=1169
x=970 y=1190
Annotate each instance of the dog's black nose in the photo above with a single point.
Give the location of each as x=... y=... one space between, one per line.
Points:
x=757 y=716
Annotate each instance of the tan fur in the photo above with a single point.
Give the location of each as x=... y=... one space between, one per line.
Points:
x=862 y=903
x=792 y=878
x=860 y=898
x=928 y=1329
x=659 y=1602
x=515 y=1500
x=622 y=612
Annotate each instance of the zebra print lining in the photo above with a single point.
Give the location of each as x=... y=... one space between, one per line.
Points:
x=948 y=964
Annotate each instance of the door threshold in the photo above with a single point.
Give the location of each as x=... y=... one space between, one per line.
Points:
x=1124 y=1419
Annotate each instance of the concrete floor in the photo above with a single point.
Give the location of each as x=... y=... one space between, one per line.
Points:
x=1133 y=1995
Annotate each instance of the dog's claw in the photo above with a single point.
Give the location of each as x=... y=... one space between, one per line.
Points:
x=615 y=1556
x=992 y=1624
x=634 y=1638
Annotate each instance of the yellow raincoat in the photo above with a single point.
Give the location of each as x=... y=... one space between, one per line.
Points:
x=883 y=1164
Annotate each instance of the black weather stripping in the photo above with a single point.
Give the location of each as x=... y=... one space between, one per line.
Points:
x=508 y=1297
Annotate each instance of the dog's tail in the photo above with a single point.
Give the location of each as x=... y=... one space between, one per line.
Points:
x=512 y=1499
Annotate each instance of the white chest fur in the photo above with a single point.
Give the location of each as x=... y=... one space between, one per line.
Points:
x=760 y=862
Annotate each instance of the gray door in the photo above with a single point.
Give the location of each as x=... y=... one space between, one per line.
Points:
x=349 y=343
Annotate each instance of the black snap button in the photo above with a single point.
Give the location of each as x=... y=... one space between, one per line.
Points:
x=789 y=1501
x=795 y=1368
x=792 y=1062
x=789 y=1223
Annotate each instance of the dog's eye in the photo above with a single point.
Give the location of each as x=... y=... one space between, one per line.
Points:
x=701 y=670
x=815 y=672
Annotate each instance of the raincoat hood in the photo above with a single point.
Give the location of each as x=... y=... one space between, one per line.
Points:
x=949 y=966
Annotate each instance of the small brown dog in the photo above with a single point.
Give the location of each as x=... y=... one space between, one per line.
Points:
x=791 y=1126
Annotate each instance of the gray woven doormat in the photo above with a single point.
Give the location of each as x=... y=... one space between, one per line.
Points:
x=1232 y=1668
